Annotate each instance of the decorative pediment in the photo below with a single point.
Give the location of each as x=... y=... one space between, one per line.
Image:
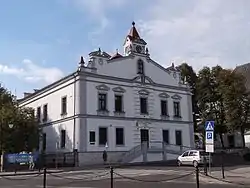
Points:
x=143 y=79
x=163 y=95
x=143 y=92
x=119 y=90
x=103 y=87
x=176 y=97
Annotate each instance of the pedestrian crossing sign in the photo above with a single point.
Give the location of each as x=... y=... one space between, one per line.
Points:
x=209 y=126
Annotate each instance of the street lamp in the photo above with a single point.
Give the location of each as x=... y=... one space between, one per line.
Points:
x=11 y=126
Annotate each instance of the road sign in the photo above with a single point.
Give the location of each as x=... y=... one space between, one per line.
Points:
x=209 y=125
x=209 y=137
x=209 y=148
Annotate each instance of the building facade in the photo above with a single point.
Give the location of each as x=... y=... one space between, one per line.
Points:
x=115 y=103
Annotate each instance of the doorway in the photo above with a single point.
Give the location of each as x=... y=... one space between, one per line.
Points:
x=145 y=136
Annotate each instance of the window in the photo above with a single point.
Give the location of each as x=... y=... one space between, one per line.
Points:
x=38 y=114
x=63 y=138
x=44 y=142
x=103 y=137
x=143 y=103
x=165 y=136
x=185 y=154
x=119 y=136
x=92 y=137
x=164 y=111
x=45 y=112
x=140 y=67
x=64 y=105
x=118 y=103
x=177 y=109
x=178 y=138
x=102 y=105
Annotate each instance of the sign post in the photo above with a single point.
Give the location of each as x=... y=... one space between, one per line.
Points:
x=209 y=127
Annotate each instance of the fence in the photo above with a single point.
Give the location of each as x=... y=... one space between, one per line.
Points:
x=111 y=177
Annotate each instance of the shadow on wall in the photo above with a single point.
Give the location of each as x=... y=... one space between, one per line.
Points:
x=59 y=146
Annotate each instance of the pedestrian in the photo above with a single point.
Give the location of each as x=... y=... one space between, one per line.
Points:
x=31 y=161
x=105 y=156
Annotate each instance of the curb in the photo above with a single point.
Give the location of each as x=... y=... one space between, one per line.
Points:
x=30 y=173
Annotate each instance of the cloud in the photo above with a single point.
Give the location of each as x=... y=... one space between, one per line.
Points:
x=207 y=32
x=32 y=73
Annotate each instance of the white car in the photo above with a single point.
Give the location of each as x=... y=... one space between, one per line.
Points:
x=193 y=157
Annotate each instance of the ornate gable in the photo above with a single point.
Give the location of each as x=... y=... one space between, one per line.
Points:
x=103 y=87
x=143 y=92
x=176 y=97
x=119 y=89
x=164 y=95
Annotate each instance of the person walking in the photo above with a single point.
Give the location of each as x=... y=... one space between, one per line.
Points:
x=31 y=161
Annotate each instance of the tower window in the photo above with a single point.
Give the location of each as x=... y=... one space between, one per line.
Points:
x=140 y=67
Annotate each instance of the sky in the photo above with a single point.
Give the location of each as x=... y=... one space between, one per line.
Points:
x=42 y=41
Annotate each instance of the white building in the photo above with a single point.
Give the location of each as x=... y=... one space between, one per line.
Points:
x=118 y=100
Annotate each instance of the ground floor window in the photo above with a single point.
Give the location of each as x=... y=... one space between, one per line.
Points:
x=178 y=137
x=103 y=136
x=119 y=136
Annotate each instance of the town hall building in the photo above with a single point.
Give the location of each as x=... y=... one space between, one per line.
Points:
x=114 y=102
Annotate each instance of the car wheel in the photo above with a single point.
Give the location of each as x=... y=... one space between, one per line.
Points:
x=179 y=163
x=195 y=163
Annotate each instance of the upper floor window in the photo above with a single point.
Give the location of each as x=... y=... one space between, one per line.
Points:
x=118 y=103
x=164 y=108
x=140 y=67
x=38 y=114
x=177 y=112
x=144 y=105
x=102 y=101
x=64 y=105
x=45 y=112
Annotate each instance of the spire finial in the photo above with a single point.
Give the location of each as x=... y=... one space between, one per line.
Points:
x=82 y=60
x=133 y=24
x=117 y=50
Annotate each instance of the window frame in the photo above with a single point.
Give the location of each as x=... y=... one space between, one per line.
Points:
x=92 y=142
x=166 y=107
x=178 y=115
x=99 y=136
x=123 y=136
x=45 y=115
x=63 y=139
x=105 y=101
x=64 y=105
x=146 y=105
x=118 y=95
x=38 y=117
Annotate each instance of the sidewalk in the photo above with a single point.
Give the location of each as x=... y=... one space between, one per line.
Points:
x=238 y=177
x=18 y=173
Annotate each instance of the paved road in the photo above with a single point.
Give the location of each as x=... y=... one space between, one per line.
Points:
x=134 y=177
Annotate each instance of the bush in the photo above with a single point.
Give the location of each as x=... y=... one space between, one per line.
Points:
x=246 y=156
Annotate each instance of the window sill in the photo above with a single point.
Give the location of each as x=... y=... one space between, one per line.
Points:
x=103 y=112
x=63 y=114
x=144 y=114
x=92 y=143
x=119 y=113
x=120 y=145
x=164 y=117
x=177 y=117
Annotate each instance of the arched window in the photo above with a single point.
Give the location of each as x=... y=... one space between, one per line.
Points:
x=140 y=67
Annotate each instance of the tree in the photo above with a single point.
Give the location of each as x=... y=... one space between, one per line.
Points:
x=237 y=102
x=24 y=136
x=209 y=98
x=188 y=75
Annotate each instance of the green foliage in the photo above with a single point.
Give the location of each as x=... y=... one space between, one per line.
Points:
x=220 y=95
x=24 y=135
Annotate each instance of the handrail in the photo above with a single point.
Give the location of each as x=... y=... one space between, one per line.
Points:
x=131 y=152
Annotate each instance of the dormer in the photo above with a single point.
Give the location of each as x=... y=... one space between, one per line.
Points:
x=98 y=56
x=134 y=43
x=175 y=72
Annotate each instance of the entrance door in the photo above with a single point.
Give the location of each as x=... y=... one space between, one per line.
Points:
x=145 y=136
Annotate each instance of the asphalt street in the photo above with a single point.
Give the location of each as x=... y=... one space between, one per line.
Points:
x=145 y=177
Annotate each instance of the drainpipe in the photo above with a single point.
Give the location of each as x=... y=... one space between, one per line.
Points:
x=74 y=129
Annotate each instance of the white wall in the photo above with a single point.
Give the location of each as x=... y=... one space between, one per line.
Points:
x=53 y=136
x=53 y=97
x=131 y=97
